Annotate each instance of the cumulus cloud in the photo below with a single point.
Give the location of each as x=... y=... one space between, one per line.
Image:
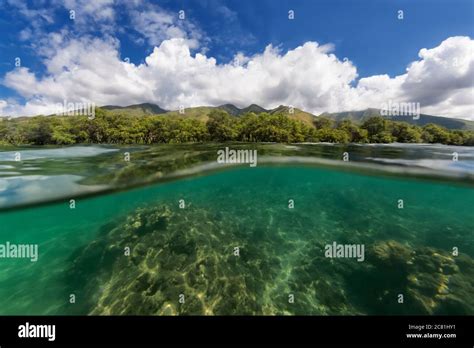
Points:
x=310 y=77
x=86 y=70
x=171 y=76
x=442 y=80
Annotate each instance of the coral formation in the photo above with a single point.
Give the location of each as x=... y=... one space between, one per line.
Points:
x=184 y=261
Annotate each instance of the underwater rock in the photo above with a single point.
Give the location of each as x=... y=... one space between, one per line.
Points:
x=433 y=281
x=391 y=254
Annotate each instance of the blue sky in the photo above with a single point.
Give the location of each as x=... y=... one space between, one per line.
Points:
x=366 y=32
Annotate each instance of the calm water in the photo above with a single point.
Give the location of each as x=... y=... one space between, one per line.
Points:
x=241 y=240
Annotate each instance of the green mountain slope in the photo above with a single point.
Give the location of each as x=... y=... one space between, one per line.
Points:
x=231 y=109
x=295 y=114
x=257 y=109
x=202 y=113
x=360 y=116
x=136 y=110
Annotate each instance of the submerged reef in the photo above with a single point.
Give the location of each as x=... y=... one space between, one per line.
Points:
x=432 y=281
x=162 y=260
x=173 y=253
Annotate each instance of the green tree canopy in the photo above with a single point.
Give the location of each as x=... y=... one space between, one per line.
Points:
x=125 y=128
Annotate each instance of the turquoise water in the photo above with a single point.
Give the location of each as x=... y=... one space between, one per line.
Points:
x=183 y=259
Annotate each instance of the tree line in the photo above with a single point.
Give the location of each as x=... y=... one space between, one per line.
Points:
x=107 y=128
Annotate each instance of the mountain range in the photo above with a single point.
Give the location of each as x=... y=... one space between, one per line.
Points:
x=202 y=113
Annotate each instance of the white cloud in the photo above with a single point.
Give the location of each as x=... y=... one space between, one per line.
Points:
x=35 y=15
x=157 y=25
x=95 y=15
x=150 y=22
x=3 y=105
x=86 y=70
x=310 y=77
x=442 y=81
